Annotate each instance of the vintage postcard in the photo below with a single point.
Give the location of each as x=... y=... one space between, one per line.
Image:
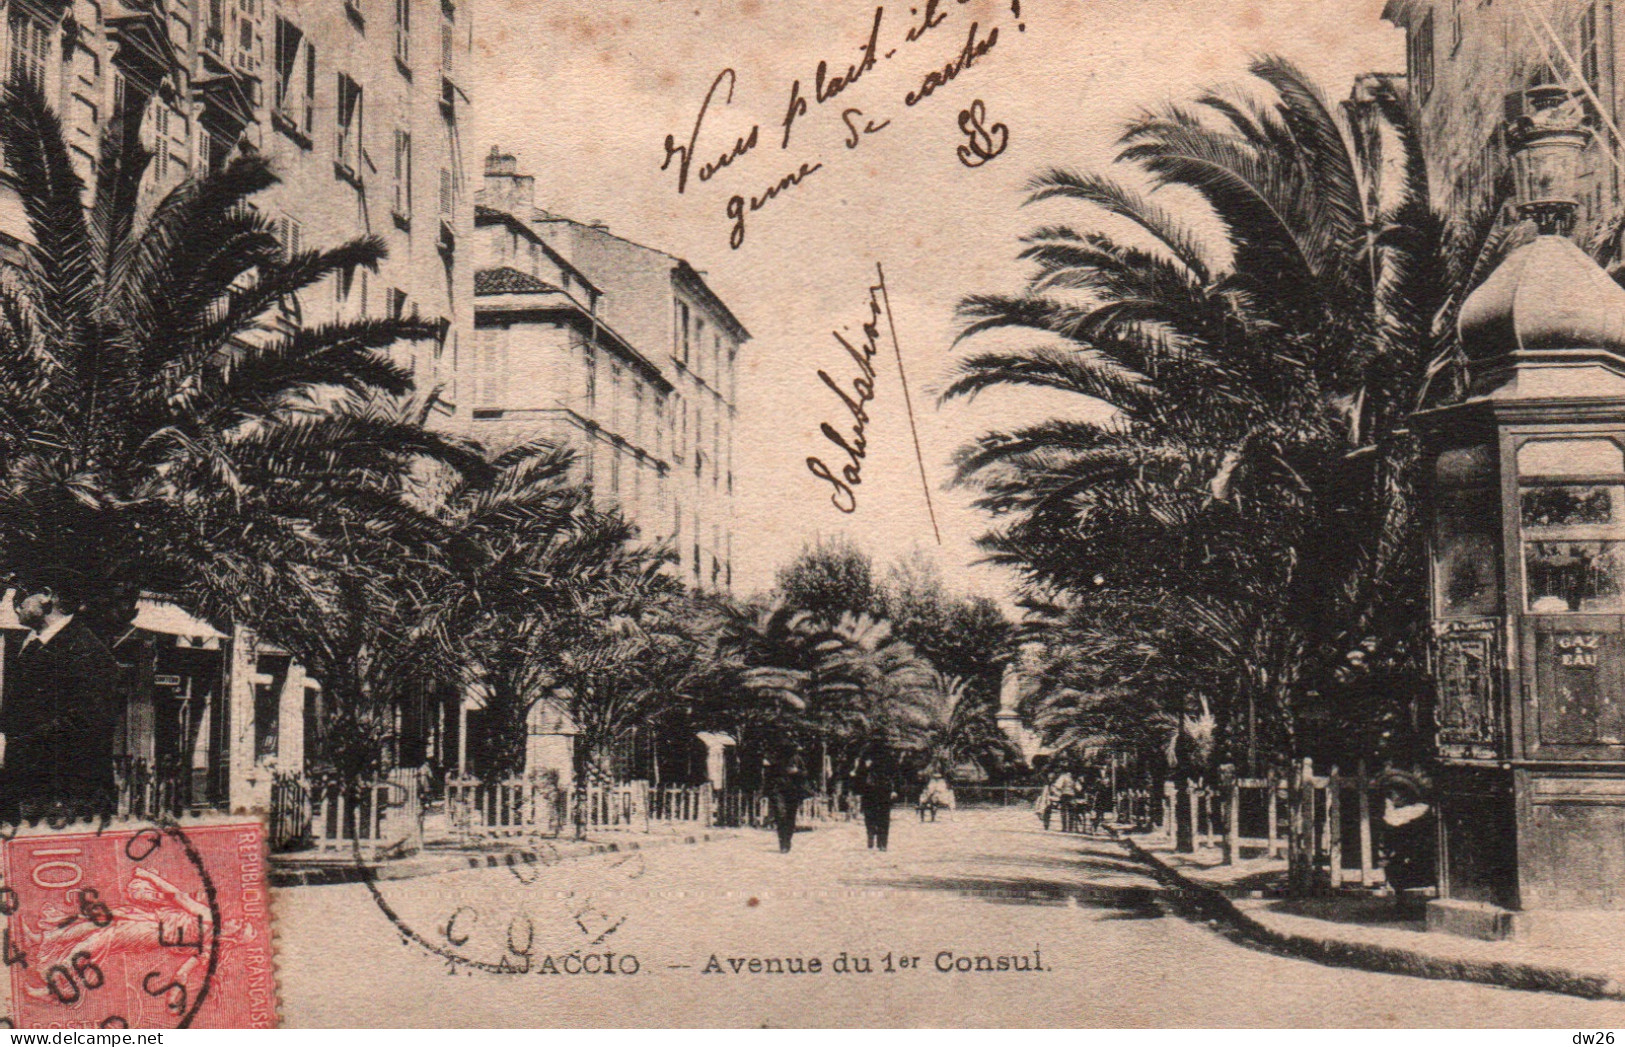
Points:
x=857 y=513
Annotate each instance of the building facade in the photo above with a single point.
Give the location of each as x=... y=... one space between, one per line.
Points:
x=1467 y=64
x=547 y=364
x=623 y=349
x=359 y=104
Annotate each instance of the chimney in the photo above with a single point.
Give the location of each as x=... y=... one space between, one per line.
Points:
x=505 y=188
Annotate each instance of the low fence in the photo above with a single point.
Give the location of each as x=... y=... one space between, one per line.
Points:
x=148 y=792
x=386 y=817
x=739 y=808
x=640 y=807
x=375 y=818
x=681 y=803
x=996 y=795
x=516 y=806
x=612 y=806
x=1330 y=823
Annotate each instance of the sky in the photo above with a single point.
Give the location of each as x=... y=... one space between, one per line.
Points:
x=587 y=93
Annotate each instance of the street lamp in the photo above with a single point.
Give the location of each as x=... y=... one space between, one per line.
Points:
x=1527 y=497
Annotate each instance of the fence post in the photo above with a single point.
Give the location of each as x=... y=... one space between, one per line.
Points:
x=1334 y=827
x=1193 y=802
x=1272 y=845
x=1232 y=824
x=1367 y=876
x=1300 y=831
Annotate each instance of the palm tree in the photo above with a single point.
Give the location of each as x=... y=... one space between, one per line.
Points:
x=147 y=360
x=167 y=423
x=951 y=725
x=520 y=543
x=836 y=687
x=634 y=664
x=323 y=545
x=1250 y=477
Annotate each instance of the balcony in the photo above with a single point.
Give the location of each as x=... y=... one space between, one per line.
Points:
x=347 y=174
x=287 y=123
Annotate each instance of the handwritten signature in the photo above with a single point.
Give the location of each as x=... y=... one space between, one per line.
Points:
x=855 y=396
x=985 y=142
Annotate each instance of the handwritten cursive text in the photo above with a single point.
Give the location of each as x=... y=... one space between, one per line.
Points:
x=855 y=396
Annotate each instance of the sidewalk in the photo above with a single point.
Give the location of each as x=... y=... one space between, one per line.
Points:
x=320 y=868
x=1363 y=931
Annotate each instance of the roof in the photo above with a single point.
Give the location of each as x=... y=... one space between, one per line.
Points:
x=682 y=272
x=508 y=280
x=1548 y=294
x=533 y=297
x=491 y=216
x=695 y=284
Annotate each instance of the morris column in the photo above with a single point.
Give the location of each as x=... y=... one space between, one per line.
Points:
x=1527 y=477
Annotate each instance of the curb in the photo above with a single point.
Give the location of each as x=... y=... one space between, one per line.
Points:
x=1383 y=959
x=434 y=865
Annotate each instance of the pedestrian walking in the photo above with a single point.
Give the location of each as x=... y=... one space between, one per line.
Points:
x=788 y=782
x=1064 y=790
x=877 y=791
x=1101 y=801
x=1044 y=805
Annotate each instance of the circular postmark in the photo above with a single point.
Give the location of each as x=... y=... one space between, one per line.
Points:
x=509 y=917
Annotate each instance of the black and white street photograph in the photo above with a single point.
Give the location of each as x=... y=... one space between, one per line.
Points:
x=901 y=514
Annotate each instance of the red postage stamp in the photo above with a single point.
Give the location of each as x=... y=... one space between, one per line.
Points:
x=138 y=926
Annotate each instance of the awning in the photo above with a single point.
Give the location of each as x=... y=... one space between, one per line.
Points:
x=161 y=616
x=155 y=616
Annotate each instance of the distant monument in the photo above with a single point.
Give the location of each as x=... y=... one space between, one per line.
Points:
x=1017 y=683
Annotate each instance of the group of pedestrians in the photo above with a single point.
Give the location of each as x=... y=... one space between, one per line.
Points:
x=1079 y=804
x=876 y=779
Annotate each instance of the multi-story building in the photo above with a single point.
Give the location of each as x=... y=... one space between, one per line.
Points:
x=1468 y=63
x=359 y=105
x=624 y=354
x=622 y=347
x=547 y=364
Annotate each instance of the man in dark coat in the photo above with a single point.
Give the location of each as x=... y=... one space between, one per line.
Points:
x=1101 y=803
x=877 y=788
x=786 y=781
x=60 y=709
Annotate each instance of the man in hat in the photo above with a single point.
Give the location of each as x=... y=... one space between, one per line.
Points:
x=876 y=782
x=59 y=713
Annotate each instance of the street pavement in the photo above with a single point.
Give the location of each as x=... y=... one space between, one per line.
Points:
x=1086 y=938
